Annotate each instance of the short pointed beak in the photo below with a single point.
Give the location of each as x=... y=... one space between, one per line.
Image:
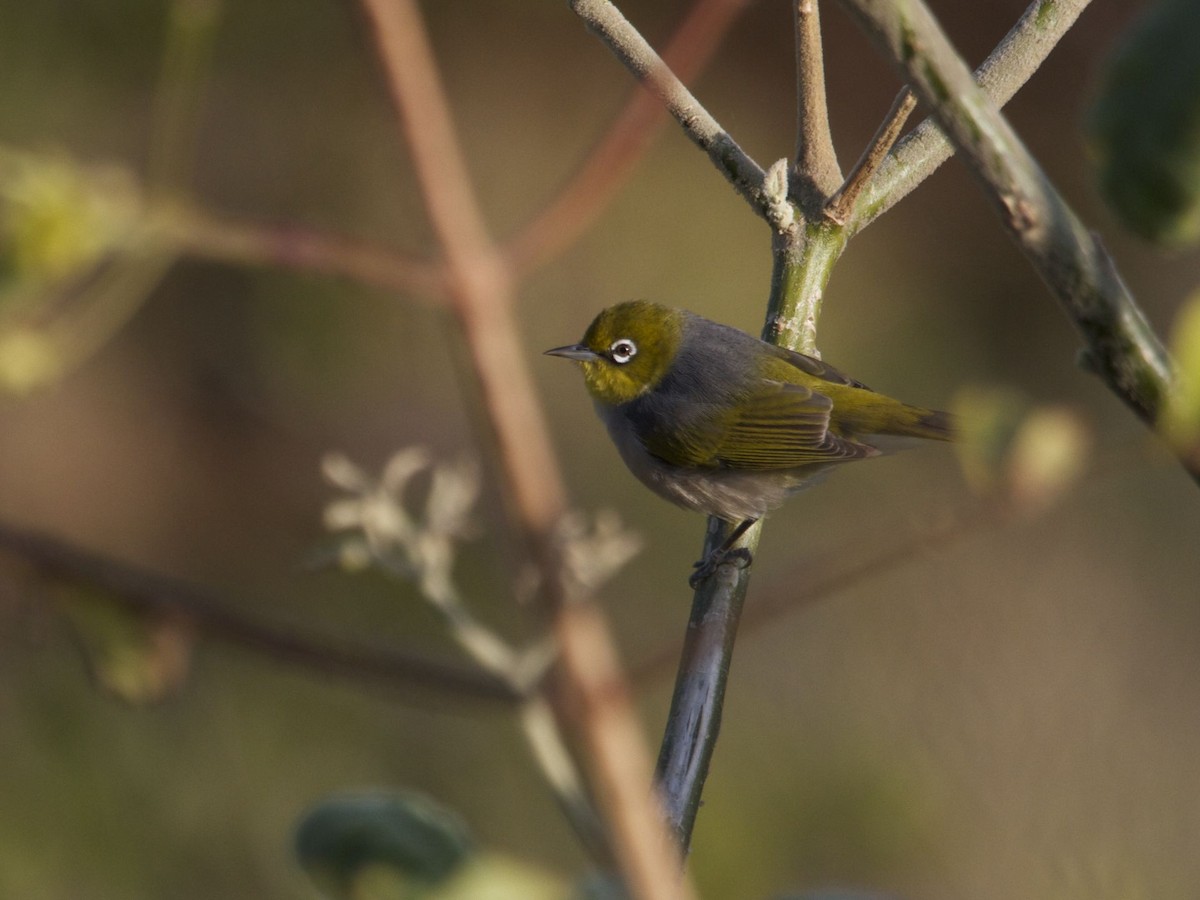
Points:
x=574 y=351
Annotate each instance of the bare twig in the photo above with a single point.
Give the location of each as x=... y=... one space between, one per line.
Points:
x=482 y=297
x=148 y=593
x=1002 y=74
x=838 y=208
x=1121 y=346
x=419 y=543
x=191 y=29
x=816 y=173
x=210 y=236
x=606 y=21
x=610 y=163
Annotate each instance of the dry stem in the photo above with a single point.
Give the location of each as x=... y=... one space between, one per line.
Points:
x=148 y=593
x=482 y=297
x=816 y=173
x=838 y=208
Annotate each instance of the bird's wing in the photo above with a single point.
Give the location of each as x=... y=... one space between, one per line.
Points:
x=777 y=426
x=784 y=426
x=817 y=367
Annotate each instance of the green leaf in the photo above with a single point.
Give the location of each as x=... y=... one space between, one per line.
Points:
x=381 y=844
x=138 y=657
x=600 y=886
x=1181 y=419
x=1145 y=125
x=491 y=876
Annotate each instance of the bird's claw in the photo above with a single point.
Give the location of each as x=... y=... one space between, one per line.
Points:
x=707 y=567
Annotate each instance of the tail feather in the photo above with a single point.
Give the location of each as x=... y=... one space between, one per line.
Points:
x=934 y=425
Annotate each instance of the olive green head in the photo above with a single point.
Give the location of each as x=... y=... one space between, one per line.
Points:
x=627 y=349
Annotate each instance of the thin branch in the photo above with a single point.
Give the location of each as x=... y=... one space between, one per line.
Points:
x=143 y=592
x=837 y=210
x=778 y=600
x=694 y=720
x=607 y=23
x=802 y=265
x=1121 y=346
x=1002 y=74
x=226 y=239
x=482 y=296
x=816 y=173
x=609 y=164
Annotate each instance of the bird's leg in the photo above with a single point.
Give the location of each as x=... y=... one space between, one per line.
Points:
x=707 y=567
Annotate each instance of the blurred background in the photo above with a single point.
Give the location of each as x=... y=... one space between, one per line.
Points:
x=1007 y=713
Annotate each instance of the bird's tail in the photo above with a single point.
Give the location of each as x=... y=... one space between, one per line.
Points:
x=930 y=424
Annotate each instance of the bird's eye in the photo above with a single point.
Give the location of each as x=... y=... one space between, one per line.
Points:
x=622 y=351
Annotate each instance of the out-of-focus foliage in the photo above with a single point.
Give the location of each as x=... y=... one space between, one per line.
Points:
x=1182 y=417
x=416 y=843
x=73 y=263
x=137 y=657
x=404 y=846
x=1146 y=125
x=1021 y=698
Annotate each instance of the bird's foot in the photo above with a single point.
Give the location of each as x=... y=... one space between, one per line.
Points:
x=706 y=568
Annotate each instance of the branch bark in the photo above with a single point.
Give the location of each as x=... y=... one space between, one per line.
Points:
x=1121 y=347
x=481 y=294
x=216 y=237
x=607 y=23
x=816 y=174
x=143 y=592
x=1003 y=73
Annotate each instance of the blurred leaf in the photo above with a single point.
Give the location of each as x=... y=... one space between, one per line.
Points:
x=77 y=260
x=1049 y=453
x=58 y=217
x=1028 y=455
x=837 y=894
x=29 y=358
x=495 y=877
x=1145 y=125
x=600 y=886
x=988 y=420
x=381 y=844
x=1181 y=419
x=140 y=658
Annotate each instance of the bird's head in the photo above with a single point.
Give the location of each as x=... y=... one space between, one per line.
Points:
x=627 y=350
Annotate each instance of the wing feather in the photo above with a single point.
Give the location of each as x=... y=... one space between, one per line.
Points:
x=778 y=426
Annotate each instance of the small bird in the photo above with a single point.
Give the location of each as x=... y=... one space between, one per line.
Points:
x=719 y=422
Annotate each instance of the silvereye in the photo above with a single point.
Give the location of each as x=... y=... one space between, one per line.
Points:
x=722 y=423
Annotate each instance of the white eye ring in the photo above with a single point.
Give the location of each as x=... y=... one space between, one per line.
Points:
x=622 y=351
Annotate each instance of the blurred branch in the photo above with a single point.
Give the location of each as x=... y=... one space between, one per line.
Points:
x=191 y=30
x=1003 y=73
x=144 y=592
x=816 y=172
x=609 y=164
x=1121 y=347
x=217 y=237
x=385 y=529
x=597 y=699
x=606 y=22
